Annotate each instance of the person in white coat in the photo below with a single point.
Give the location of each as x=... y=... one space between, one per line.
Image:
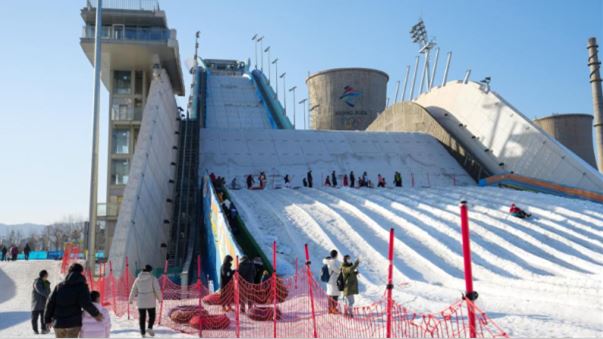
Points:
x=147 y=292
x=333 y=292
x=92 y=328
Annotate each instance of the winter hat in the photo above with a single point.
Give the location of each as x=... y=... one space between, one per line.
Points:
x=148 y=268
x=333 y=254
x=76 y=268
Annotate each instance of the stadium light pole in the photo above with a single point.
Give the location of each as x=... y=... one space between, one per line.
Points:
x=95 y=139
x=255 y=39
x=275 y=62
x=261 y=41
x=284 y=77
x=267 y=50
x=292 y=89
x=303 y=102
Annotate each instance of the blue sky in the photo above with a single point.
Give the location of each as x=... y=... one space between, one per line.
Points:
x=535 y=52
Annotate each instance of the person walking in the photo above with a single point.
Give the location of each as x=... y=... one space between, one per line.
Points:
x=146 y=290
x=4 y=251
x=226 y=274
x=92 y=328
x=247 y=271
x=349 y=271
x=64 y=307
x=26 y=251
x=39 y=296
x=309 y=178
x=329 y=275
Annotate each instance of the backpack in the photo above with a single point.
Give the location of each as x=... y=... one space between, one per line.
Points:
x=340 y=282
x=324 y=273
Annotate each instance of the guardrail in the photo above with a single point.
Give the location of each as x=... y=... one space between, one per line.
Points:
x=136 y=5
x=278 y=113
x=532 y=184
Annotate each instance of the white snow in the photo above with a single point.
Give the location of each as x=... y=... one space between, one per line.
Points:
x=16 y=280
x=540 y=277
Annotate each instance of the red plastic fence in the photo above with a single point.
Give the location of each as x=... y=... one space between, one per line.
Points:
x=291 y=307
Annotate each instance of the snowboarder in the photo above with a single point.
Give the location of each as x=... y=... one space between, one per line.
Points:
x=518 y=212
x=334 y=179
x=92 y=328
x=328 y=182
x=352 y=179
x=26 y=251
x=4 y=251
x=146 y=290
x=309 y=178
x=329 y=275
x=39 y=296
x=226 y=274
x=350 y=273
x=250 y=182
x=247 y=272
x=64 y=306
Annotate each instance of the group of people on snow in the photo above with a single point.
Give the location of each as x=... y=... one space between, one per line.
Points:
x=341 y=280
x=12 y=253
x=73 y=311
x=251 y=271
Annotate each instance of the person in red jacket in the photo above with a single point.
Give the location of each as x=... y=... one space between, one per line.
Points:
x=518 y=212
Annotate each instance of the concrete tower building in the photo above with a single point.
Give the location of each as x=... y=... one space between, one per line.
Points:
x=574 y=131
x=135 y=41
x=346 y=98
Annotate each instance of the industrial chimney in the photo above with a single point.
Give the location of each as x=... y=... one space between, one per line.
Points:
x=595 y=82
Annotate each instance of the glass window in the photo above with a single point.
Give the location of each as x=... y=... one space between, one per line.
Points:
x=121 y=141
x=122 y=82
x=138 y=108
x=122 y=109
x=138 y=83
x=119 y=171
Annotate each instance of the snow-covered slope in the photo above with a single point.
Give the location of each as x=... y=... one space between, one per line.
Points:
x=539 y=277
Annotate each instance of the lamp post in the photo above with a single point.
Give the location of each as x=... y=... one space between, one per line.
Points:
x=303 y=102
x=419 y=36
x=267 y=50
x=261 y=41
x=284 y=77
x=275 y=62
x=292 y=89
x=95 y=138
x=255 y=39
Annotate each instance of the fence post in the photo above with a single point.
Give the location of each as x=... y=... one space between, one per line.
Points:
x=237 y=300
x=390 y=283
x=112 y=277
x=309 y=273
x=274 y=288
x=127 y=274
x=200 y=295
x=469 y=293
x=163 y=282
x=101 y=283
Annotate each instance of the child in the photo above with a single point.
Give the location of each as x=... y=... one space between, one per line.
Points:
x=91 y=328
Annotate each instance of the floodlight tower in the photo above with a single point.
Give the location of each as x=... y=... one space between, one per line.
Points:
x=418 y=34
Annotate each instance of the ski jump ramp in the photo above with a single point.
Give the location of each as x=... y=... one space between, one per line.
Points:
x=489 y=126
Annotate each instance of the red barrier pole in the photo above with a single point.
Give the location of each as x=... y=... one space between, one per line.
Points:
x=237 y=300
x=390 y=283
x=112 y=287
x=163 y=281
x=200 y=295
x=101 y=283
x=127 y=273
x=274 y=288
x=469 y=293
x=309 y=273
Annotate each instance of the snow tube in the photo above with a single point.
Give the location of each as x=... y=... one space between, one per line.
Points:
x=216 y=299
x=262 y=294
x=184 y=314
x=263 y=313
x=210 y=322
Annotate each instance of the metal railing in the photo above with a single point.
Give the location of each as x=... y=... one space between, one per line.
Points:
x=129 y=33
x=135 y=5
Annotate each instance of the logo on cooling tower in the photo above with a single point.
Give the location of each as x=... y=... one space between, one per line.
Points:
x=350 y=96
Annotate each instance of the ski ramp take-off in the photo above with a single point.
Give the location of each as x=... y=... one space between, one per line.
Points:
x=536 y=277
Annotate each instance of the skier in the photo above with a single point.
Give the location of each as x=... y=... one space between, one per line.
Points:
x=39 y=296
x=226 y=274
x=146 y=290
x=250 y=182
x=26 y=251
x=352 y=179
x=350 y=273
x=518 y=212
x=309 y=178
x=92 y=328
x=328 y=182
x=247 y=271
x=65 y=303
x=334 y=179
x=330 y=273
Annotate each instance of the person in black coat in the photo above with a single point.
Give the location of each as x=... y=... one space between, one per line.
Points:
x=226 y=274
x=309 y=178
x=352 y=179
x=26 y=251
x=247 y=272
x=4 y=251
x=64 y=307
x=39 y=296
x=334 y=179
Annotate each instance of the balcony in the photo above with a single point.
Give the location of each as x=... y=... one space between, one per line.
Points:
x=133 y=5
x=128 y=33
